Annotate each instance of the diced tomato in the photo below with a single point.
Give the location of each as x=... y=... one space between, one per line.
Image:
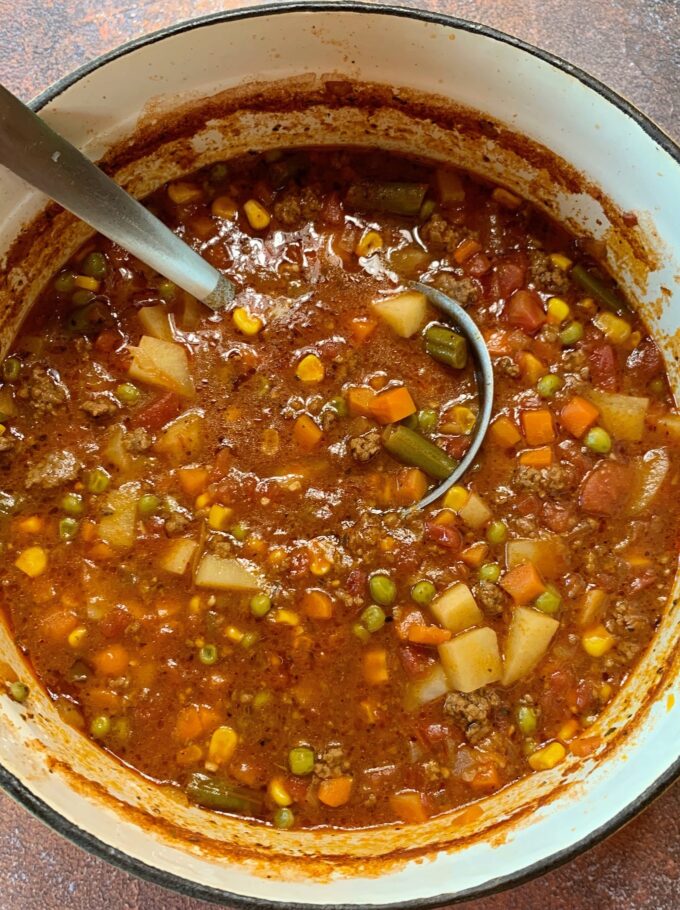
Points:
x=645 y=362
x=605 y=489
x=108 y=340
x=558 y=696
x=448 y=538
x=114 y=624
x=416 y=661
x=162 y=409
x=558 y=519
x=356 y=581
x=436 y=734
x=525 y=310
x=586 y=700
x=602 y=363
x=528 y=505
x=224 y=460
x=331 y=212
x=509 y=276
x=457 y=446
x=478 y=265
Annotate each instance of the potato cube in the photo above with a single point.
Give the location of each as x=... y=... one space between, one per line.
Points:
x=404 y=314
x=456 y=609
x=472 y=660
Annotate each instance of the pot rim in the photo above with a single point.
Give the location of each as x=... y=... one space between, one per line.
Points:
x=91 y=843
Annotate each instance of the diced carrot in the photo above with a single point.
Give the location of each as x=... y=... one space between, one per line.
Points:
x=104 y=700
x=32 y=524
x=335 y=791
x=504 y=432
x=317 y=604
x=541 y=457
x=409 y=807
x=486 y=778
x=584 y=745
x=523 y=583
x=362 y=327
x=359 y=401
x=411 y=486
x=101 y=551
x=578 y=415
x=57 y=623
x=427 y=635
x=474 y=555
x=111 y=661
x=531 y=367
x=193 y=480
x=446 y=518
x=195 y=721
x=538 y=426
x=465 y=249
x=375 y=666
x=306 y=433
x=88 y=531
x=393 y=405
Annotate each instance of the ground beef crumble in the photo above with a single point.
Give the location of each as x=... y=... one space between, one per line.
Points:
x=545 y=276
x=331 y=763
x=296 y=206
x=473 y=712
x=551 y=481
x=137 y=441
x=55 y=469
x=464 y=291
x=363 y=448
x=490 y=597
x=44 y=390
x=99 y=407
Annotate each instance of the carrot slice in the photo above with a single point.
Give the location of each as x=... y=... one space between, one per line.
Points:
x=427 y=635
x=474 y=555
x=362 y=327
x=393 y=405
x=335 y=791
x=523 y=583
x=409 y=807
x=578 y=415
x=465 y=249
x=306 y=433
x=541 y=457
x=359 y=400
x=504 y=432
x=538 y=426
x=375 y=667
x=193 y=480
x=411 y=486
x=317 y=604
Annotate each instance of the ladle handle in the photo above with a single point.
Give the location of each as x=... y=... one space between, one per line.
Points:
x=34 y=152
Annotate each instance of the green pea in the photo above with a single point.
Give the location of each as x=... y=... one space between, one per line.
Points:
x=527 y=719
x=261 y=699
x=148 y=504
x=249 y=639
x=127 y=393
x=239 y=531
x=81 y=298
x=598 y=440
x=491 y=571
x=339 y=405
x=301 y=760
x=72 y=503
x=260 y=605
x=98 y=480
x=218 y=173
x=427 y=420
x=571 y=333
x=208 y=655
x=549 y=601
x=548 y=385
x=423 y=592
x=68 y=528
x=100 y=726
x=497 y=532
x=383 y=589
x=284 y=818
x=65 y=282
x=361 y=633
x=18 y=691
x=11 y=369
x=167 y=290
x=373 y=618
x=94 y=265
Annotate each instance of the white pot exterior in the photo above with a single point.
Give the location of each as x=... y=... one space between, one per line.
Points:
x=637 y=169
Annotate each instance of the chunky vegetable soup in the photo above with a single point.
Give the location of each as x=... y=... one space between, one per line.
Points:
x=210 y=557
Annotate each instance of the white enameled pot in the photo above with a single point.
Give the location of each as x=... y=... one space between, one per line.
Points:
x=332 y=74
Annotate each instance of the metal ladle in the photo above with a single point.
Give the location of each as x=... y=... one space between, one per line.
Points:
x=33 y=151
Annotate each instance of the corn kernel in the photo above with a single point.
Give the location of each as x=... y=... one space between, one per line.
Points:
x=32 y=525
x=3 y=428
x=287 y=617
x=605 y=692
x=254 y=545
x=460 y=419
x=370 y=243
x=456 y=498
x=320 y=565
x=257 y=215
x=202 y=501
x=615 y=329
x=387 y=544
x=222 y=746
x=32 y=561
x=77 y=637
x=560 y=261
x=87 y=283
x=195 y=604
x=558 y=311
x=568 y=730
x=278 y=793
x=276 y=556
x=634 y=340
x=310 y=369
x=219 y=517
x=224 y=207
x=233 y=634
x=246 y=323
x=183 y=192
x=597 y=641
x=588 y=304
x=546 y=758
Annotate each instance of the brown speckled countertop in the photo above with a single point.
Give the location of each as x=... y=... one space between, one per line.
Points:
x=634 y=46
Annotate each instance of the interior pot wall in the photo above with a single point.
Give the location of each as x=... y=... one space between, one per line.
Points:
x=153 y=824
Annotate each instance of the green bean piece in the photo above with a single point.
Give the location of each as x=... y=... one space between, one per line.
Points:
x=18 y=691
x=148 y=504
x=127 y=393
x=415 y=450
x=527 y=719
x=11 y=368
x=100 y=726
x=411 y=422
x=79 y=672
x=68 y=528
x=592 y=285
x=446 y=346
x=398 y=198
x=260 y=605
x=72 y=503
x=65 y=282
x=571 y=333
x=427 y=420
x=301 y=760
x=284 y=818
x=423 y=592
x=208 y=655
x=491 y=571
x=98 y=480
x=549 y=601
x=383 y=589
x=94 y=265
x=261 y=698
x=373 y=618
x=213 y=793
